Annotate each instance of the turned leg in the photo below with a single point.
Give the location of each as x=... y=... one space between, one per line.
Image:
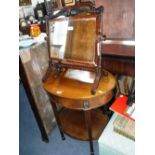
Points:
x=88 y=124
x=57 y=119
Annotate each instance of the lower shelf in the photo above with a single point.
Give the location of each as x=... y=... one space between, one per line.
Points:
x=73 y=123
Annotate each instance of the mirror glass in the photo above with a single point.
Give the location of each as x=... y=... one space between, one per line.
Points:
x=73 y=38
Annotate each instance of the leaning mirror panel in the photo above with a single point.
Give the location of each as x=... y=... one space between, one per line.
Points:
x=73 y=38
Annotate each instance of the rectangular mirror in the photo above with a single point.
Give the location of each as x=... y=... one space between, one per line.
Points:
x=73 y=38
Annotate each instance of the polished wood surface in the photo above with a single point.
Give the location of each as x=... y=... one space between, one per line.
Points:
x=73 y=123
x=119 y=48
x=118 y=57
x=119 y=65
x=118 y=18
x=74 y=94
x=69 y=88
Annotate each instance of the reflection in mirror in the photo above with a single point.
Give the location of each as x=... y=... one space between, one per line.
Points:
x=24 y=2
x=73 y=39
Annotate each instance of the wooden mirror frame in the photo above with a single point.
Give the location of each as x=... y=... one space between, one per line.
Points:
x=73 y=12
x=88 y=61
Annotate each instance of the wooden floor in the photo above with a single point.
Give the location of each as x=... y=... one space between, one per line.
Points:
x=73 y=123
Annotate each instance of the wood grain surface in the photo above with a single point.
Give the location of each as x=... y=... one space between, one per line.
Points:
x=118 y=18
x=73 y=123
x=73 y=94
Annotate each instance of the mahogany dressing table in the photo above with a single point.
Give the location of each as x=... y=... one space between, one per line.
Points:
x=80 y=117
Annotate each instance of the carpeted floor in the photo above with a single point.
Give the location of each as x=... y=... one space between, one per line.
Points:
x=30 y=138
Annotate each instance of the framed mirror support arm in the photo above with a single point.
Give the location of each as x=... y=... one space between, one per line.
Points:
x=99 y=71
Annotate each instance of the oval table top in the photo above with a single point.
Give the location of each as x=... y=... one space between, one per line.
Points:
x=70 y=90
x=64 y=86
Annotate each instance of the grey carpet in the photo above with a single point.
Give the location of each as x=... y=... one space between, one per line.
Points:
x=30 y=142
